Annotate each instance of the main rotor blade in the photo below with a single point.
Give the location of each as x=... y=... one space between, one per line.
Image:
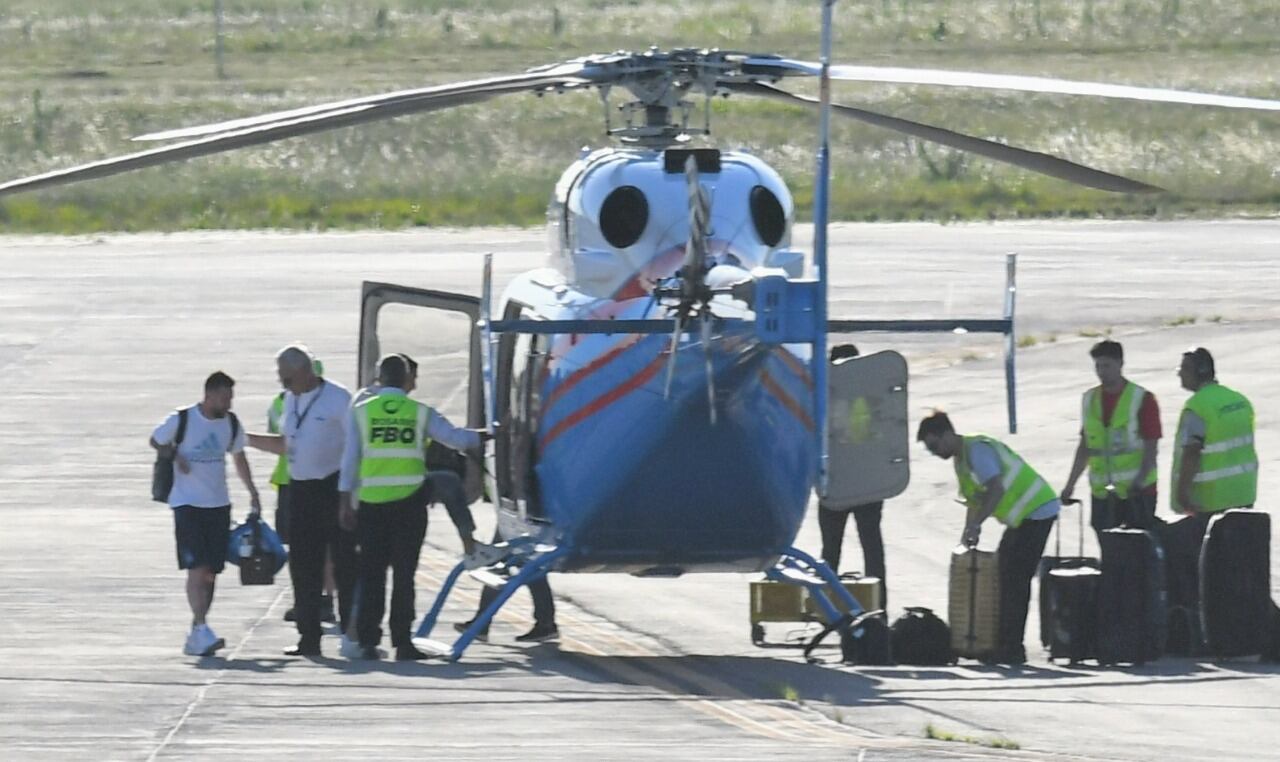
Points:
x=560 y=74
x=432 y=100
x=947 y=78
x=1019 y=157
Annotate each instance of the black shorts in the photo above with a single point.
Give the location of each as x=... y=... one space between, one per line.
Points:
x=202 y=535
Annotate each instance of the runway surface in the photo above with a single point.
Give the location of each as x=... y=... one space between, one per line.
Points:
x=101 y=337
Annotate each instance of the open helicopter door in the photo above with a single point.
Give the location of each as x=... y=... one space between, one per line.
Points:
x=447 y=347
x=867 y=434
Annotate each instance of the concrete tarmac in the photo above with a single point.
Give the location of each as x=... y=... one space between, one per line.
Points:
x=101 y=337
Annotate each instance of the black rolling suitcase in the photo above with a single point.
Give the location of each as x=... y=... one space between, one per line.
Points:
x=1181 y=539
x=1235 y=583
x=1131 y=598
x=1069 y=599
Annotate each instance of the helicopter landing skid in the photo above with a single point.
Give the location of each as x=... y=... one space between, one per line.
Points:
x=533 y=561
x=795 y=567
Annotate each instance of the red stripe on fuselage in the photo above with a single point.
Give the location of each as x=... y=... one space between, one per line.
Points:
x=792 y=362
x=603 y=401
x=787 y=400
x=578 y=375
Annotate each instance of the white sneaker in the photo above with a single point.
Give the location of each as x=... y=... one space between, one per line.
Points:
x=202 y=641
x=483 y=555
x=348 y=648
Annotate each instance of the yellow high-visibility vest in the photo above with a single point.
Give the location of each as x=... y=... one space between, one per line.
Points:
x=1024 y=489
x=280 y=476
x=393 y=432
x=1228 y=475
x=1115 y=448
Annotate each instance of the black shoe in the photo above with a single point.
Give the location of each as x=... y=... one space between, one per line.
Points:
x=410 y=653
x=540 y=633
x=326 y=610
x=482 y=636
x=1013 y=657
x=303 y=649
x=291 y=615
x=370 y=653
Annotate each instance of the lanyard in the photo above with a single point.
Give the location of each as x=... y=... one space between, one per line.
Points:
x=298 y=419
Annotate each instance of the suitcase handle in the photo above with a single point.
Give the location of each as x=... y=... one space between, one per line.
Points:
x=1057 y=533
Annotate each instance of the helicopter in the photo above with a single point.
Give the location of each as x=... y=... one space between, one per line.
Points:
x=659 y=392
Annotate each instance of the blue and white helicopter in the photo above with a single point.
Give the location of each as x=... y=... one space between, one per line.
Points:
x=659 y=392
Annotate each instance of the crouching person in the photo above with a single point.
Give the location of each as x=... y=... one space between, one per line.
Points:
x=995 y=481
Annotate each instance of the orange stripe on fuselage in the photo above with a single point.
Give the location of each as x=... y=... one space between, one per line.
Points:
x=606 y=399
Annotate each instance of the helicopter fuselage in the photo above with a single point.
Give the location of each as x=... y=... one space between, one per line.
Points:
x=610 y=440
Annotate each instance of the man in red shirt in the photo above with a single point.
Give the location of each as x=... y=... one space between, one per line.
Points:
x=1118 y=438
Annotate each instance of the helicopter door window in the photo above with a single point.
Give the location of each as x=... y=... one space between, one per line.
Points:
x=528 y=375
x=502 y=395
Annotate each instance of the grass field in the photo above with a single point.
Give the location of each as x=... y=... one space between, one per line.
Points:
x=77 y=79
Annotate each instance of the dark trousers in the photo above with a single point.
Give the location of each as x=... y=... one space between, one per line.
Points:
x=1182 y=541
x=314 y=531
x=832 y=524
x=544 y=604
x=1019 y=555
x=391 y=534
x=447 y=488
x=1136 y=511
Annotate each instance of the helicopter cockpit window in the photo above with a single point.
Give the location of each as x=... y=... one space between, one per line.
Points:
x=623 y=216
x=767 y=215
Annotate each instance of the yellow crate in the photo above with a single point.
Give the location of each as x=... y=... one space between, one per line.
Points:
x=782 y=602
x=865 y=590
x=776 y=602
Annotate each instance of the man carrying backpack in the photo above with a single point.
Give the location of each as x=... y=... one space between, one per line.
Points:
x=197 y=440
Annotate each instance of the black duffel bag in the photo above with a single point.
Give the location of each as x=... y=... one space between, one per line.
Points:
x=921 y=639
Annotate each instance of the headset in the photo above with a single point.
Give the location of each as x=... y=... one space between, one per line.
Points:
x=1201 y=363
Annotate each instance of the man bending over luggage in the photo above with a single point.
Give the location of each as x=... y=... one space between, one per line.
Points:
x=995 y=481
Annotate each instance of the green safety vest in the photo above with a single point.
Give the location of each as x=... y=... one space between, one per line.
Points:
x=1024 y=489
x=393 y=442
x=280 y=476
x=1115 y=449
x=1228 y=476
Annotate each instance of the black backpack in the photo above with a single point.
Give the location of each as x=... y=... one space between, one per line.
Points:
x=920 y=638
x=873 y=648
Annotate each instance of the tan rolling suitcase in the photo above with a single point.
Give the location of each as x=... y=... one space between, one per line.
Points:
x=974 y=602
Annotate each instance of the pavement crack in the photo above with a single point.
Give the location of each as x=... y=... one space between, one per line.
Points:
x=217 y=677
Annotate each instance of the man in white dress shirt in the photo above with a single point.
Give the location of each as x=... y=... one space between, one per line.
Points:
x=312 y=434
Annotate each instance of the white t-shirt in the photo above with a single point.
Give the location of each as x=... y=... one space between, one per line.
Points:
x=205 y=445
x=314 y=428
